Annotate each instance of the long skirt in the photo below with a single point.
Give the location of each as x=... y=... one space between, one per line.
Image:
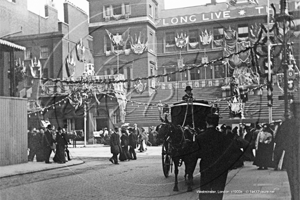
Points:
x=263 y=157
x=60 y=154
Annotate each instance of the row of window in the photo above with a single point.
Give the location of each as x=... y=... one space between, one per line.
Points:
x=125 y=9
x=117 y=9
x=44 y=52
x=216 y=34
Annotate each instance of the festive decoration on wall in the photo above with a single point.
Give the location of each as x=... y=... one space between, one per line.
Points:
x=140 y=87
x=206 y=37
x=244 y=57
x=218 y=43
x=36 y=68
x=80 y=50
x=118 y=41
x=70 y=65
x=137 y=45
x=235 y=103
x=181 y=40
x=193 y=45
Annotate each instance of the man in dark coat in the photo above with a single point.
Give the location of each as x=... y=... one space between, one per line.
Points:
x=132 y=143
x=124 y=144
x=189 y=95
x=48 y=143
x=115 y=147
x=215 y=149
x=32 y=144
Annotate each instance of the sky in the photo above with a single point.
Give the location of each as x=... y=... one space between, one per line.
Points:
x=37 y=6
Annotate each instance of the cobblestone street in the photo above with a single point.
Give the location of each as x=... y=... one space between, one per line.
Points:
x=97 y=178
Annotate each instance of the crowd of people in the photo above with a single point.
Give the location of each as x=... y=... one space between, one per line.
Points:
x=148 y=137
x=126 y=139
x=45 y=141
x=223 y=148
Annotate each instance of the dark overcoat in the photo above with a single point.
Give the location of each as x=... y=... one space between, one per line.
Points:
x=133 y=140
x=215 y=150
x=124 y=139
x=115 y=147
x=48 y=139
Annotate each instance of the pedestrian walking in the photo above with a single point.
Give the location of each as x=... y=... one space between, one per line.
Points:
x=132 y=143
x=60 y=147
x=124 y=155
x=67 y=142
x=48 y=143
x=40 y=149
x=115 y=147
x=264 y=148
x=32 y=144
x=215 y=150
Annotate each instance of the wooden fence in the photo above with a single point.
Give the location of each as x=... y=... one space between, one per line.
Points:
x=13 y=130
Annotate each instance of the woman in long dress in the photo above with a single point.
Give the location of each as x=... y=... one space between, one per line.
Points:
x=60 y=147
x=264 y=148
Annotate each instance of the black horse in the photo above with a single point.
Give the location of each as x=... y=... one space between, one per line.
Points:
x=182 y=149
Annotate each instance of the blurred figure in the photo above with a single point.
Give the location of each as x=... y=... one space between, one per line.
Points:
x=67 y=142
x=115 y=147
x=214 y=164
x=60 y=147
x=32 y=144
x=48 y=143
x=124 y=155
x=264 y=148
x=132 y=143
x=143 y=138
x=40 y=151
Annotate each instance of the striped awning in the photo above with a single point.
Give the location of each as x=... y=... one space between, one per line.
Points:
x=13 y=45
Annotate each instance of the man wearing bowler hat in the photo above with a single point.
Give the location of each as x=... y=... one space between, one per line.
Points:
x=189 y=95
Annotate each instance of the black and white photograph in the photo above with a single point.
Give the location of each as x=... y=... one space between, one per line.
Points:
x=150 y=99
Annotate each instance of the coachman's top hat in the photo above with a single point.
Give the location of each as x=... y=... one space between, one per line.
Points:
x=188 y=88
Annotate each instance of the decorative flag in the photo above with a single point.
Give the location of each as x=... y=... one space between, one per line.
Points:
x=80 y=49
x=137 y=46
x=181 y=40
x=206 y=37
x=70 y=65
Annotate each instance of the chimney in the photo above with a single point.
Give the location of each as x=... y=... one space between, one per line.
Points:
x=213 y=2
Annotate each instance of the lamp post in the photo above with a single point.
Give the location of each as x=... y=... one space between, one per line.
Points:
x=285 y=19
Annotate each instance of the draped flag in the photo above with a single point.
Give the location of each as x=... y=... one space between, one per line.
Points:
x=80 y=49
x=70 y=65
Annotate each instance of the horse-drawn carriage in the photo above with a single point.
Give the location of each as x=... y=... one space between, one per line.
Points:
x=187 y=120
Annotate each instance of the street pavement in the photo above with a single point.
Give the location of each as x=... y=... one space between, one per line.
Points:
x=242 y=184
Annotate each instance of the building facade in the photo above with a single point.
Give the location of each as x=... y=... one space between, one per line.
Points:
x=141 y=39
x=50 y=61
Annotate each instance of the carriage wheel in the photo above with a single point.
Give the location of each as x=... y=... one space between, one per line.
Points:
x=166 y=159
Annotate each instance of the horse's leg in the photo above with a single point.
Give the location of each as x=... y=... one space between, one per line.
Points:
x=190 y=171
x=176 y=164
